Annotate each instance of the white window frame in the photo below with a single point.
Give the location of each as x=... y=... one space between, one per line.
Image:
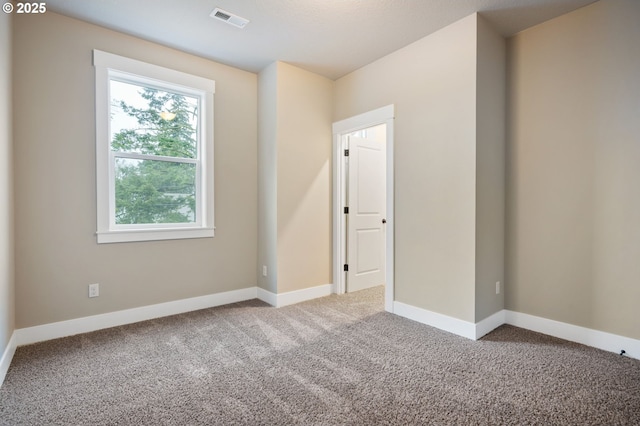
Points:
x=109 y=66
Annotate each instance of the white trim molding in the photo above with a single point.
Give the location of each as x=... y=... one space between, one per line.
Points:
x=267 y=297
x=383 y=115
x=574 y=333
x=7 y=356
x=434 y=319
x=292 y=297
x=364 y=120
x=489 y=324
x=598 y=339
x=589 y=337
x=110 y=68
x=39 y=333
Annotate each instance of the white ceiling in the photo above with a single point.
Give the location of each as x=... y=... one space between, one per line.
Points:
x=328 y=37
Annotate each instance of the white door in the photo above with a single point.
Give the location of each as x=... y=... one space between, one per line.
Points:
x=366 y=218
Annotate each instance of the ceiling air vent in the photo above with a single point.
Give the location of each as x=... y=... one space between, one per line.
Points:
x=229 y=18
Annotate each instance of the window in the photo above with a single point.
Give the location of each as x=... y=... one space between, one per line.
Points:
x=154 y=151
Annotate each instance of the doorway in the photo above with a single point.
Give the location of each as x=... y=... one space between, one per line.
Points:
x=363 y=220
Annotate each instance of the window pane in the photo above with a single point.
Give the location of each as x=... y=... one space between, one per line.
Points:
x=149 y=191
x=149 y=121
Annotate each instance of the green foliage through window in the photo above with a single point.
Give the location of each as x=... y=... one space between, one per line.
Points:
x=150 y=123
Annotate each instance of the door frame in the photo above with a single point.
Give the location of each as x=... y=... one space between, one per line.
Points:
x=341 y=129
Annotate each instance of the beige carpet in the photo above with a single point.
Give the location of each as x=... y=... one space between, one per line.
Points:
x=332 y=361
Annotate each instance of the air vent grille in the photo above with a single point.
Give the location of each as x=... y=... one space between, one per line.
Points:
x=222 y=15
x=229 y=18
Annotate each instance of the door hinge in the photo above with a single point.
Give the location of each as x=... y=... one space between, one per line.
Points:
x=346 y=267
x=346 y=152
x=346 y=210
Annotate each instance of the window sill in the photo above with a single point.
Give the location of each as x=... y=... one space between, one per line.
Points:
x=153 y=235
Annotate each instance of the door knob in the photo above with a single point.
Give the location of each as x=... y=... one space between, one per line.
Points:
x=384 y=220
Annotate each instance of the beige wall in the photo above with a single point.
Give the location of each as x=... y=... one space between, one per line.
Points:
x=305 y=109
x=6 y=188
x=432 y=83
x=56 y=251
x=574 y=156
x=296 y=109
x=268 y=177
x=490 y=170
x=572 y=235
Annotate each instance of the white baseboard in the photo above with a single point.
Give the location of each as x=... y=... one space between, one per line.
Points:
x=39 y=333
x=267 y=297
x=7 y=356
x=293 y=297
x=490 y=323
x=598 y=339
x=434 y=319
x=574 y=333
x=25 y=336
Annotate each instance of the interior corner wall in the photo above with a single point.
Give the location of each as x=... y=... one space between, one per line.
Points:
x=295 y=116
x=267 y=178
x=490 y=170
x=55 y=196
x=573 y=154
x=7 y=323
x=432 y=83
x=304 y=173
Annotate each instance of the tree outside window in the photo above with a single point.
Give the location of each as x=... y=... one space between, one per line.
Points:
x=154 y=151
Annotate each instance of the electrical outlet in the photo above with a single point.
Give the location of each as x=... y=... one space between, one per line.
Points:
x=264 y=270
x=94 y=290
x=497 y=287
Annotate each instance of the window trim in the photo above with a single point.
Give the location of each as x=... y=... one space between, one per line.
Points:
x=108 y=65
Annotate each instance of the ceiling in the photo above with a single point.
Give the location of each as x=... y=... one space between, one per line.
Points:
x=328 y=37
